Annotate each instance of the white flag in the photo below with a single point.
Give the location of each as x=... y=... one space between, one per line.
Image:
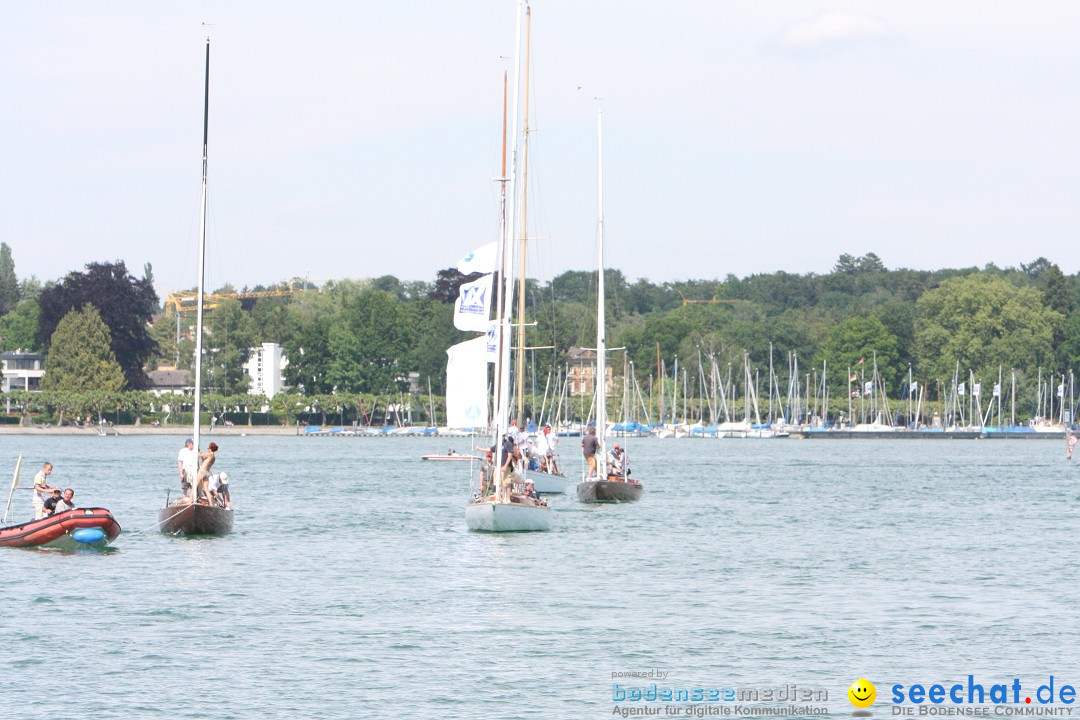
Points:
x=976 y=389
x=474 y=305
x=1061 y=391
x=997 y=389
x=868 y=388
x=481 y=260
x=492 y=341
x=961 y=390
x=914 y=385
x=467 y=384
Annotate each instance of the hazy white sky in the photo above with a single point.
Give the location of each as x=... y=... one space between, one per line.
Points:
x=355 y=139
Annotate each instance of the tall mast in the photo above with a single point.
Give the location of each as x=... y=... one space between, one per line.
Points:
x=505 y=267
x=601 y=339
x=524 y=233
x=202 y=265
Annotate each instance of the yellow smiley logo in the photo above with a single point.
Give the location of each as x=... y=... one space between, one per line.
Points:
x=862 y=693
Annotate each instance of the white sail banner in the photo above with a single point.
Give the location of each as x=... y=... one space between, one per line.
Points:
x=492 y=341
x=467 y=384
x=481 y=260
x=976 y=390
x=960 y=389
x=474 y=305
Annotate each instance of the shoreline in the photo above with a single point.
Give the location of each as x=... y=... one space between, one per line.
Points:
x=176 y=430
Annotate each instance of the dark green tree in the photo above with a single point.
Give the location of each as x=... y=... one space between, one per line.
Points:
x=80 y=357
x=126 y=305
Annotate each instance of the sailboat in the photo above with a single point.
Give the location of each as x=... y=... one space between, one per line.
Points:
x=546 y=482
x=186 y=516
x=607 y=487
x=497 y=507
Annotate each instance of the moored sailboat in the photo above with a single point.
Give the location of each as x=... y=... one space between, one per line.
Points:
x=605 y=486
x=188 y=516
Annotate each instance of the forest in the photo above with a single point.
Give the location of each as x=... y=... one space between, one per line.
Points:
x=352 y=343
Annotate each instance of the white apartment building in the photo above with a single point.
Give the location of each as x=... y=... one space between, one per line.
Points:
x=22 y=370
x=266 y=366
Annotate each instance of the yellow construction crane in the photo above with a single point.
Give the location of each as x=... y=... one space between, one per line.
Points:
x=686 y=301
x=182 y=302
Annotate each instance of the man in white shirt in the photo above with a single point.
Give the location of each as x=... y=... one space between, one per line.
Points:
x=187 y=462
x=42 y=490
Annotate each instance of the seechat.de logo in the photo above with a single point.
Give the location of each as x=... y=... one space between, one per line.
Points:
x=862 y=693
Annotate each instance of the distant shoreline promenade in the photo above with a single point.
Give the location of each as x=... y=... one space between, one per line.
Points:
x=178 y=430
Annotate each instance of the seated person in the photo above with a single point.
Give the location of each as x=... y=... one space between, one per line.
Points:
x=67 y=502
x=50 y=503
x=616 y=462
x=530 y=490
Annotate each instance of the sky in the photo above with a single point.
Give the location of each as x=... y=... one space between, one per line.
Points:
x=359 y=139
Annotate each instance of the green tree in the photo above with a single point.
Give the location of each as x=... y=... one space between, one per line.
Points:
x=983 y=322
x=856 y=342
x=9 y=284
x=19 y=328
x=80 y=357
x=124 y=303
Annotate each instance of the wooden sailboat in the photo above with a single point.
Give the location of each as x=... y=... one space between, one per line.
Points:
x=504 y=509
x=606 y=487
x=546 y=483
x=187 y=516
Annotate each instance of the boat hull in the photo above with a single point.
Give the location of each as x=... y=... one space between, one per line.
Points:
x=195 y=520
x=608 y=491
x=507 y=517
x=451 y=458
x=547 y=483
x=58 y=531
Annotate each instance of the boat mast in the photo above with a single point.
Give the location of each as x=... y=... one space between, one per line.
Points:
x=202 y=269
x=601 y=339
x=505 y=267
x=524 y=233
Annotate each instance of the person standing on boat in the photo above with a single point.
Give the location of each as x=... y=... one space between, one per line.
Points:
x=208 y=459
x=187 y=462
x=550 y=446
x=42 y=489
x=589 y=447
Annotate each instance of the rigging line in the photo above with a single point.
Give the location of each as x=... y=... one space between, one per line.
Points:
x=162 y=522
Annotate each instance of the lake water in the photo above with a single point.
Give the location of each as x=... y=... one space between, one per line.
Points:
x=351 y=587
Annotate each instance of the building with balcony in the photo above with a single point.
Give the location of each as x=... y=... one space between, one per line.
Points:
x=22 y=371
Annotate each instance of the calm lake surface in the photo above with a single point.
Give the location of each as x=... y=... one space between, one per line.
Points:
x=351 y=587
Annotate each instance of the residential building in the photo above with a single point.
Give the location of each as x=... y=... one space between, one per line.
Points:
x=22 y=371
x=581 y=372
x=266 y=367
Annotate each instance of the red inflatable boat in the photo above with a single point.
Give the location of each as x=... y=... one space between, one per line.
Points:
x=68 y=530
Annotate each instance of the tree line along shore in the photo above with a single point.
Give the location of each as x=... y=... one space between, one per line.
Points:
x=352 y=344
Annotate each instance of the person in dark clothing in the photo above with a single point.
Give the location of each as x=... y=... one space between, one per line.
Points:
x=590 y=444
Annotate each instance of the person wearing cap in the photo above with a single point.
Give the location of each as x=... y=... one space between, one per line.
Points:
x=208 y=458
x=219 y=490
x=187 y=462
x=530 y=491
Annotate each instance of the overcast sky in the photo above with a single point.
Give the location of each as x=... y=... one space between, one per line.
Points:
x=356 y=139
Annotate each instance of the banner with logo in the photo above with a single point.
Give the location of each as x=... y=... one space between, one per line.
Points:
x=474 y=305
x=467 y=384
x=480 y=260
